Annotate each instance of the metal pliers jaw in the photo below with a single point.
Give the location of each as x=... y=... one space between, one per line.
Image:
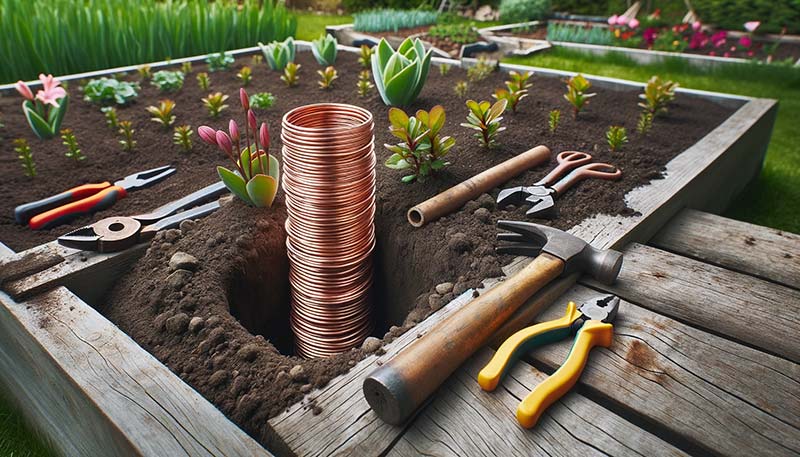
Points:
x=111 y=234
x=591 y=322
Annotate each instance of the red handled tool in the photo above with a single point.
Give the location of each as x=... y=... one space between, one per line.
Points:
x=86 y=199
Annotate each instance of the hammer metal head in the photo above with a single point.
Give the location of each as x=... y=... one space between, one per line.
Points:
x=578 y=255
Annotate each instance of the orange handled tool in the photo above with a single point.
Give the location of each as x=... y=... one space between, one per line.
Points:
x=86 y=199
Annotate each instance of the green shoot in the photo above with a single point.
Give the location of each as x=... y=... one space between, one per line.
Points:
x=365 y=55
x=461 y=88
x=553 y=119
x=485 y=119
x=73 y=150
x=616 y=136
x=262 y=100
x=645 y=123
x=219 y=61
x=421 y=149
x=127 y=131
x=516 y=89
x=163 y=113
x=480 y=70
x=111 y=116
x=215 y=103
x=327 y=76
x=182 y=137
x=25 y=156
x=203 y=81
x=290 y=74
x=245 y=75
x=186 y=68
x=444 y=69
x=576 y=93
x=657 y=96
x=364 y=83
x=144 y=72
x=256 y=59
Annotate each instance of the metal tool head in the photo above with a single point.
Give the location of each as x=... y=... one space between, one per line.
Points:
x=517 y=195
x=145 y=179
x=111 y=234
x=603 y=308
x=543 y=207
x=577 y=255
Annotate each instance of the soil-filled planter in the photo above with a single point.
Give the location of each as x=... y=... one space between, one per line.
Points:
x=221 y=324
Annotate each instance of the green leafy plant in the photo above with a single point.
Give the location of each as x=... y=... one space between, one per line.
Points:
x=278 y=54
x=657 y=96
x=645 y=122
x=167 y=81
x=255 y=178
x=324 y=49
x=182 y=137
x=481 y=70
x=144 y=72
x=461 y=88
x=400 y=75
x=327 y=76
x=516 y=89
x=45 y=111
x=385 y=20
x=460 y=33
x=203 y=80
x=163 y=113
x=364 y=85
x=365 y=55
x=186 y=67
x=422 y=149
x=245 y=75
x=290 y=74
x=444 y=69
x=110 y=114
x=570 y=33
x=73 y=150
x=25 y=156
x=576 y=93
x=219 y=61
x=262 y=100
x=127 y=131
x=485 y=118
x=553 y=118
x=109 y=90
x=215 y=103
x=523 y=10
x=616 y=137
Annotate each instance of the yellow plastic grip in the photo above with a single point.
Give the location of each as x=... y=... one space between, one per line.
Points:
x=525 y=339
x=591 y=334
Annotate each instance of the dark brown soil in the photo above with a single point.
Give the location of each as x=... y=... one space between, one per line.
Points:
x=239 y=287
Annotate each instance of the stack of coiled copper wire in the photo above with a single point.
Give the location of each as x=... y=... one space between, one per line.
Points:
x=329 y=180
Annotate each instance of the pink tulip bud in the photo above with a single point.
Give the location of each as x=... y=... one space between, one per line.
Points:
x=696 y=25
x=24 y=90
x=244 y=99
x=633 y=23
x=622 y=20
x=612 y=20
x=251 y=120
x=224 y=142
x=233 y=128
x=207 y=134
x=263 y=135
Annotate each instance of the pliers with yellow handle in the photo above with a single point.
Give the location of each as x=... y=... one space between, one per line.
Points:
x=591 y=323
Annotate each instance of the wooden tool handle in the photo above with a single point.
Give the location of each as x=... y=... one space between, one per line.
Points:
x=399 y=387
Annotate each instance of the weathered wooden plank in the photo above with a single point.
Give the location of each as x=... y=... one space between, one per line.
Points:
x=732 y=304
x=464 y=420
x=93 y=391
x=766 y=253
x=721 y=396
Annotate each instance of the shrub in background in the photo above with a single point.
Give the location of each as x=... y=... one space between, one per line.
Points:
x=524 y=10
x=385 y=20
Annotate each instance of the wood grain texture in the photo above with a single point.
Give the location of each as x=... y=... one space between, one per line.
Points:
x=721 y=396
x=766 y=253
x=732 y=304
x=464 y=420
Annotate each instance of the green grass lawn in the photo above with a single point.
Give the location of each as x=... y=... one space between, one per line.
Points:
x=16 y=439
x=773 y=199
x=312 y=25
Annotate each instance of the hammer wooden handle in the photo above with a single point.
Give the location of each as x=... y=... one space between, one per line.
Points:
x=398 y=388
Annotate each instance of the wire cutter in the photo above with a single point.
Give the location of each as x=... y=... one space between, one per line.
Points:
x=542 y=193
x=86 y=199
x=591 y=322
x=114 y=234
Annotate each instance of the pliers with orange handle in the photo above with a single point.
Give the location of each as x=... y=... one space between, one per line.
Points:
x=591 y=323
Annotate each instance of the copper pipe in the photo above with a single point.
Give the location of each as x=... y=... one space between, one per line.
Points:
x=456 y=196
x=329 y=179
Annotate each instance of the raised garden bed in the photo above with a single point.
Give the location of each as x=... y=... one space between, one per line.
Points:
x=709 y=141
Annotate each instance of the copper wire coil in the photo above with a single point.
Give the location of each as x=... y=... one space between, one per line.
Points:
x=329 y=179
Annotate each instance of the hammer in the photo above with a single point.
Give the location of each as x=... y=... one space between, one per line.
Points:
x=396 y=389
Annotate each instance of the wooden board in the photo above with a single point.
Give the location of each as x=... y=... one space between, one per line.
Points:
x=91 y=390
x=732 y=304
x=714 y=395
x=769 y=254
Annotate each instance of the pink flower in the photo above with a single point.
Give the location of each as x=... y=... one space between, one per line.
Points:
x=263 y=135
x=612 y=20
x=622 y=20
x=727 y=54
x=649 y=36
x=696 y=25
x=233 y=128
x=51 y=92
x=24 y=90
x=208 y=134
x=224 y=142
x=751 y=26
x=699 y=40
x=718 y=39
x=251 y=120
x=633 y=23
x=733 y=48
x=750 y=53
x=244 y=99
x=712 y=53
x=745 y=41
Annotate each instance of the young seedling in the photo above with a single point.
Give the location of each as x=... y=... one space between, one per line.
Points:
x=553 y=119
x=73 y=150
x=576 y=93
x=262 y=100
x=422 y=148
x=616 y=137
x=167 y=81
x=186 y=68
x=444 y=69
x=481 y=70
x=516 y=89
x=324 y=49
x=364 y=85
x=278 y=54
x=365 y=55
x=182 y=137
x=327 y=76
x=256 y=59
x=215 y=103
x=163 y=113
x=25 y=156
x=127 y=131
x=645 y=123
x=485 y=118
x=219 y=61
x=400 y=74
x=144 y=72
x=461 y=89
x=203 y=80
x=107 y=90
x=245 y=75
x=290 y=74
x=111 y=116
x=657 y=96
